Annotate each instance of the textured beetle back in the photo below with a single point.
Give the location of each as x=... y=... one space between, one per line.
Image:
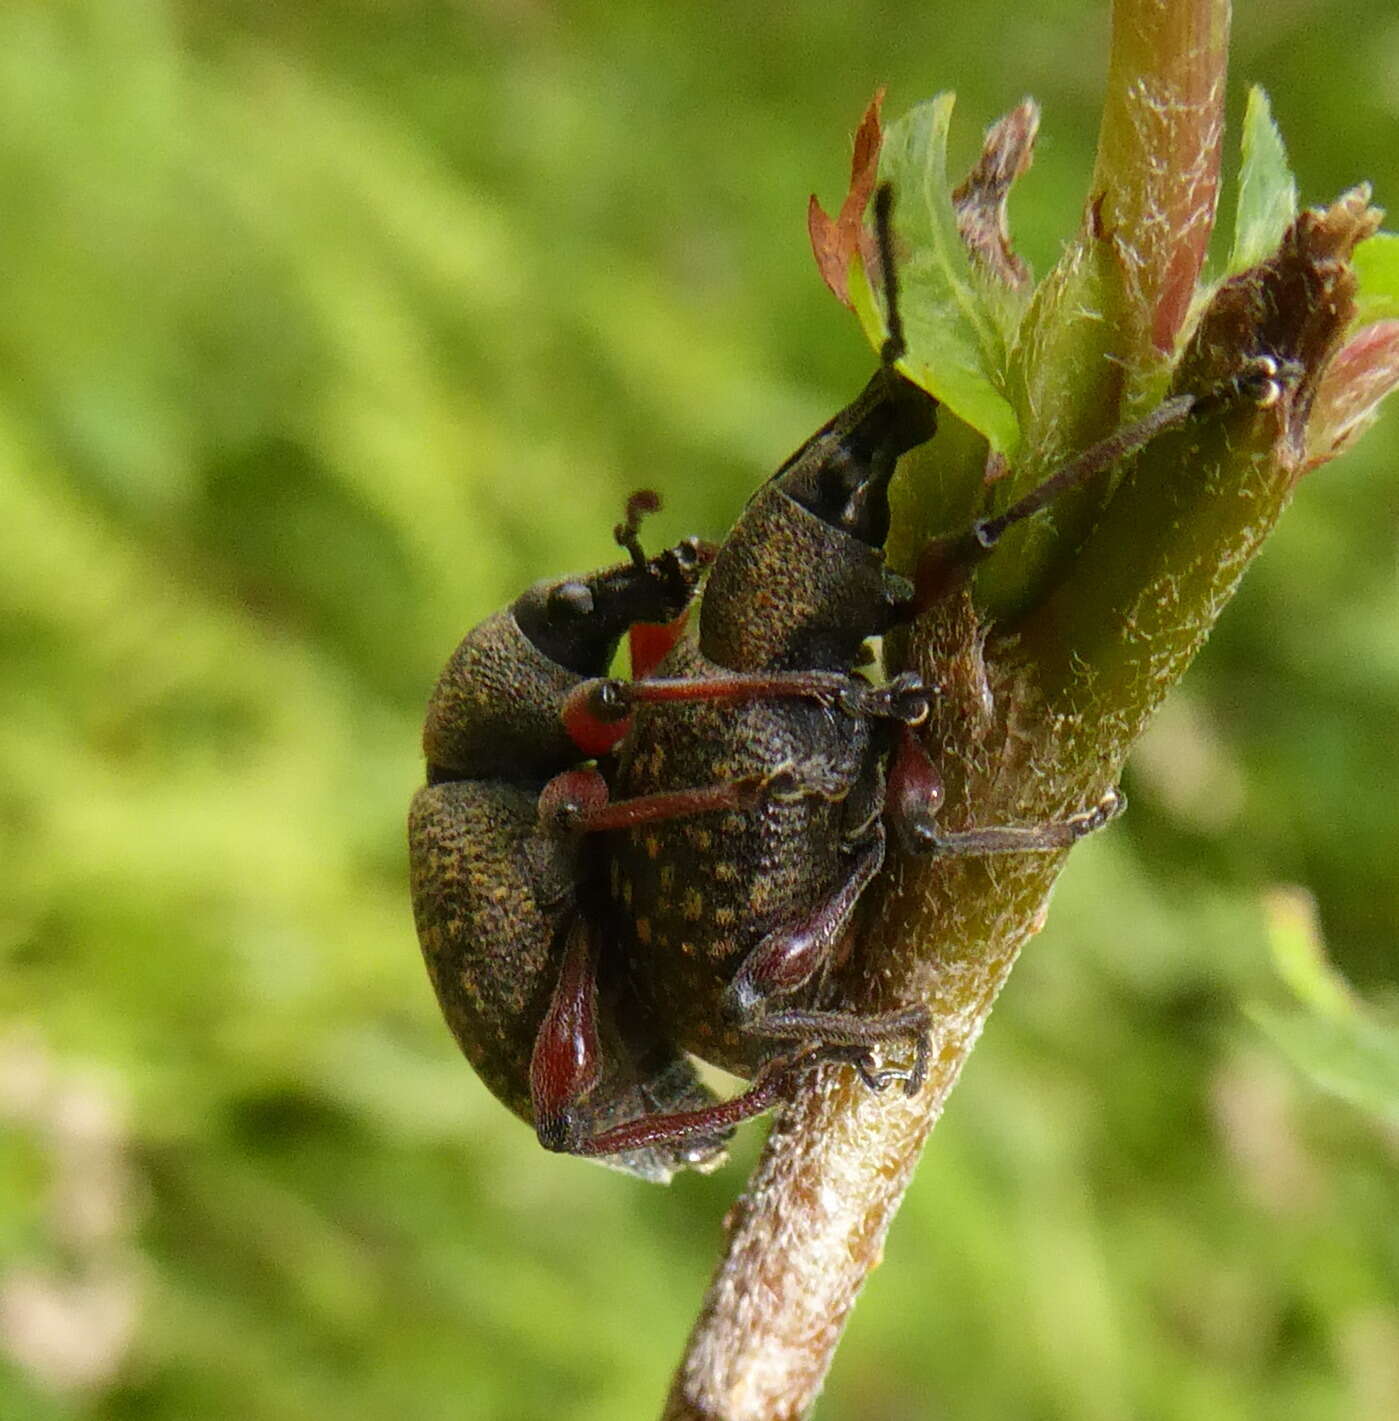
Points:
x=495 y=710
x=479 y=891
x=789 y=591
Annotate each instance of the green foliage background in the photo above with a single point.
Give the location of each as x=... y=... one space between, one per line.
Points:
x=324 y=328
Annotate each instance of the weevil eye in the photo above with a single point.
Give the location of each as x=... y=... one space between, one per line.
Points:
x=840 y=477
x=571 y=600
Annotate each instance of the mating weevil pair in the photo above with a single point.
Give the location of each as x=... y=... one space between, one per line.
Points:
x=610 y=876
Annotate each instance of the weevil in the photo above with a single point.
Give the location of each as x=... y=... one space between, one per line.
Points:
x=733 y=923
x=500 y=870
x=758 y=770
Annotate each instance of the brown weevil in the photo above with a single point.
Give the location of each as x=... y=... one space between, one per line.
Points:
x=499 y=866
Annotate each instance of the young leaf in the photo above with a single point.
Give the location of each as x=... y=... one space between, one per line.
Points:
x=1299 y=954
x=1066 y=384
x=1376 y=265
x=1356 y=1060
x=980 y=204
x=1360 y=375
x=836 y=240
x=980 y=200
x=1267 y=190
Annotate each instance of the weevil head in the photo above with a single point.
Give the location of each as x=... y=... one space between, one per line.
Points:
x=495 y=712
x=841 y=474
x=577 y=622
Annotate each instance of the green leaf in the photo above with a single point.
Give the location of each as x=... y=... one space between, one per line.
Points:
x=956 y=348
x=1342 y=1045
x=1267 y=189
x=1376 y=266
x=1299 y=954
x=1065 y=383
x=1356 y=1060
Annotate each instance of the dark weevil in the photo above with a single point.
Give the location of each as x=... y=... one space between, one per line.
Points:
x=733 y=921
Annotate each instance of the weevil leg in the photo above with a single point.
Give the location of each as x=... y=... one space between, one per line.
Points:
x=913 y=796
x=772 y=1085
x=675 y=1089
x=790 y=957
x=1020 y=838
x=878 y=1079
x=579 y=802
x=849 y=1036
x=597 y=714
x=903 y=699
x=566 y=1064
x=567 y=1060
x=566 y=1070
x=945 y=563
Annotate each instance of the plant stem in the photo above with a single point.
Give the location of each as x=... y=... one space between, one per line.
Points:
x=812 y=1222
x=1158 y=160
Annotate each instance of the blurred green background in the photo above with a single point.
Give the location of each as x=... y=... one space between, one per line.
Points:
x=325 y=327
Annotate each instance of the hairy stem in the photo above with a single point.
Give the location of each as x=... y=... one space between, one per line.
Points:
x=1158 y=158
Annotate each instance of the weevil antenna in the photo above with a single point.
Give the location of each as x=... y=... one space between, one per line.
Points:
x=643 y=502
x=894 y=344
